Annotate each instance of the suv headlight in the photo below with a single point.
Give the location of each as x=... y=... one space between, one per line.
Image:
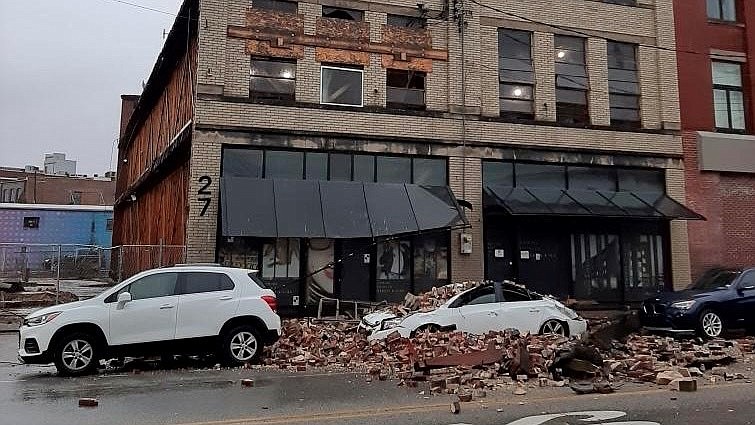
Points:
x=391 y=323
x=683 y=305
x=41 y=319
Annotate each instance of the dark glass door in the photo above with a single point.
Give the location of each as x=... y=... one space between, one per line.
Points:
x=354 y=271
x=543 y=259
x=500 y=244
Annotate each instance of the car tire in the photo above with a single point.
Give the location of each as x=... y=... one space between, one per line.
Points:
x=710 y=324
x=241 y=345
x=76 y=354
x=554 y=326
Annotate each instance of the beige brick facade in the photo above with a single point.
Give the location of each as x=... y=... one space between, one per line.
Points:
x=481 y=134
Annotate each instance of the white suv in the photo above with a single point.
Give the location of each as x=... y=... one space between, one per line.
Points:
x=186 y=309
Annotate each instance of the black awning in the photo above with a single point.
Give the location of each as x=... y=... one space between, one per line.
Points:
x=334 y=209
x=596 y=203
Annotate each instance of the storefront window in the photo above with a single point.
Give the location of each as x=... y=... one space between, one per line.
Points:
x=320 y=270
x=643 y=265
x=596 y=269
x=498 y=173
x=430 y=262
x=540 y=175
x=430 y=171
x=284 y=165
x=393 y=270
x=394 y=169
x=239 y=252
x=317 y=166
x=340 y=166
x=280 y=258
x=242 y=163
x=364 y=168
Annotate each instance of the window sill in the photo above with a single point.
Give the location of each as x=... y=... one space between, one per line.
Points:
x=725 y=22
x=730 y=131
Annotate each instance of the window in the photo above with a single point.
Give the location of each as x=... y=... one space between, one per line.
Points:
x=406 y=21
x=276 y=5
x=317 y=166
x=341 y=86
x=280 y=259
x=340 y=166
x=642 y=181
x=596 y=266
x=364 y=168
x=153 y=286
x=394 y=169
x=242 y=163
x=272 y=79
x=485 y=298
x=541 y=176
x=516 y=76
x=109 y=225
x=481 y=295
x=498 y=173
x=623 y=85
x=196 y=282
x=6 y=195
x=405 y=89
x=430 y=261
x=571 y=81
x=76 y=198
x=429 y=171
x=341 y=13
x=592 y=178
x=728 y=101
x=724 y=10
x=31 y=222
x=284 y=165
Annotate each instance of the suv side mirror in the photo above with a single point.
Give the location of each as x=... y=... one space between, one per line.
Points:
x=747 y=288
x=123 y=298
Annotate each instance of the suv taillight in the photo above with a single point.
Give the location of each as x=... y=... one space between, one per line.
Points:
x=271 y=301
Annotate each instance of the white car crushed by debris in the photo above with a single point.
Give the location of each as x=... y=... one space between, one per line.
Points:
x=492 y=306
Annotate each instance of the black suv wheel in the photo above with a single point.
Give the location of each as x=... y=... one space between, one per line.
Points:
x=241 y=345
x=76 y=354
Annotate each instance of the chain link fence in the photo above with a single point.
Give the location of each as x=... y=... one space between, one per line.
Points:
x=83 y=270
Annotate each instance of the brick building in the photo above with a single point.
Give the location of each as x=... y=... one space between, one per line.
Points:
x=554 y=125
x=31 y=186
x=716 y=41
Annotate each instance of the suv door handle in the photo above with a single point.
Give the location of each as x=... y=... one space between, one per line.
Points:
x=166 y=306
x=492 y=314
x=226 y=298
x=534 y=310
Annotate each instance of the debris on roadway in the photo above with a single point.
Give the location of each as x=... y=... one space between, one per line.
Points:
x=467 y=365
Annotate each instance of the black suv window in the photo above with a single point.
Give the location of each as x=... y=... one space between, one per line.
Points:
x=195 y=282
x=747 y=280
x=152 y=286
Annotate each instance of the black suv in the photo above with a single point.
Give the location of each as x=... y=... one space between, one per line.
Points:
x=721 y=299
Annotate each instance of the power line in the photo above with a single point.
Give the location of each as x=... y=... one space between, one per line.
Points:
x=588 y=35
x=141 y=6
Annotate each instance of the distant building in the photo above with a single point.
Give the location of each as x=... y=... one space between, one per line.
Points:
x=56 y=163
x=56 y=224
x=30 y=186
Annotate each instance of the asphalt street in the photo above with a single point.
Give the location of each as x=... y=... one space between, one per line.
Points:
x=35 y=395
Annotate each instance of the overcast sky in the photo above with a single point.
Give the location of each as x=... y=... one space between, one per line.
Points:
x=63 y=66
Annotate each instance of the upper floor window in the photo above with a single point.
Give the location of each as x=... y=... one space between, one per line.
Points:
x=516 y=76
x=571 y=81
x=405 y=89
x=724 y=10
x=341 y=86
x=728 y=100
x=276 y=5
x=623 y=84
x=342 y=13
x=272 y=79
x=406 y=21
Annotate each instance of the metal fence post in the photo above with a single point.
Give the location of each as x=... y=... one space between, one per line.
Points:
x=120 y=263
x=160 y=260
x=57 y=279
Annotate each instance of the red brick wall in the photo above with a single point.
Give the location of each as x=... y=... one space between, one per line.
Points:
x=727 y=200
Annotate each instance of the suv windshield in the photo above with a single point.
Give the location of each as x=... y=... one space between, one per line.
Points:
x=715 y=278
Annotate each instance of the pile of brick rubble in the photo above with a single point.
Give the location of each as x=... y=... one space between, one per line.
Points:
x=470 y=365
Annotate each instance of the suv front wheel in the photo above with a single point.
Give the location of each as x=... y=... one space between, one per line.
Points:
x=241 y=345
x=76 y=354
